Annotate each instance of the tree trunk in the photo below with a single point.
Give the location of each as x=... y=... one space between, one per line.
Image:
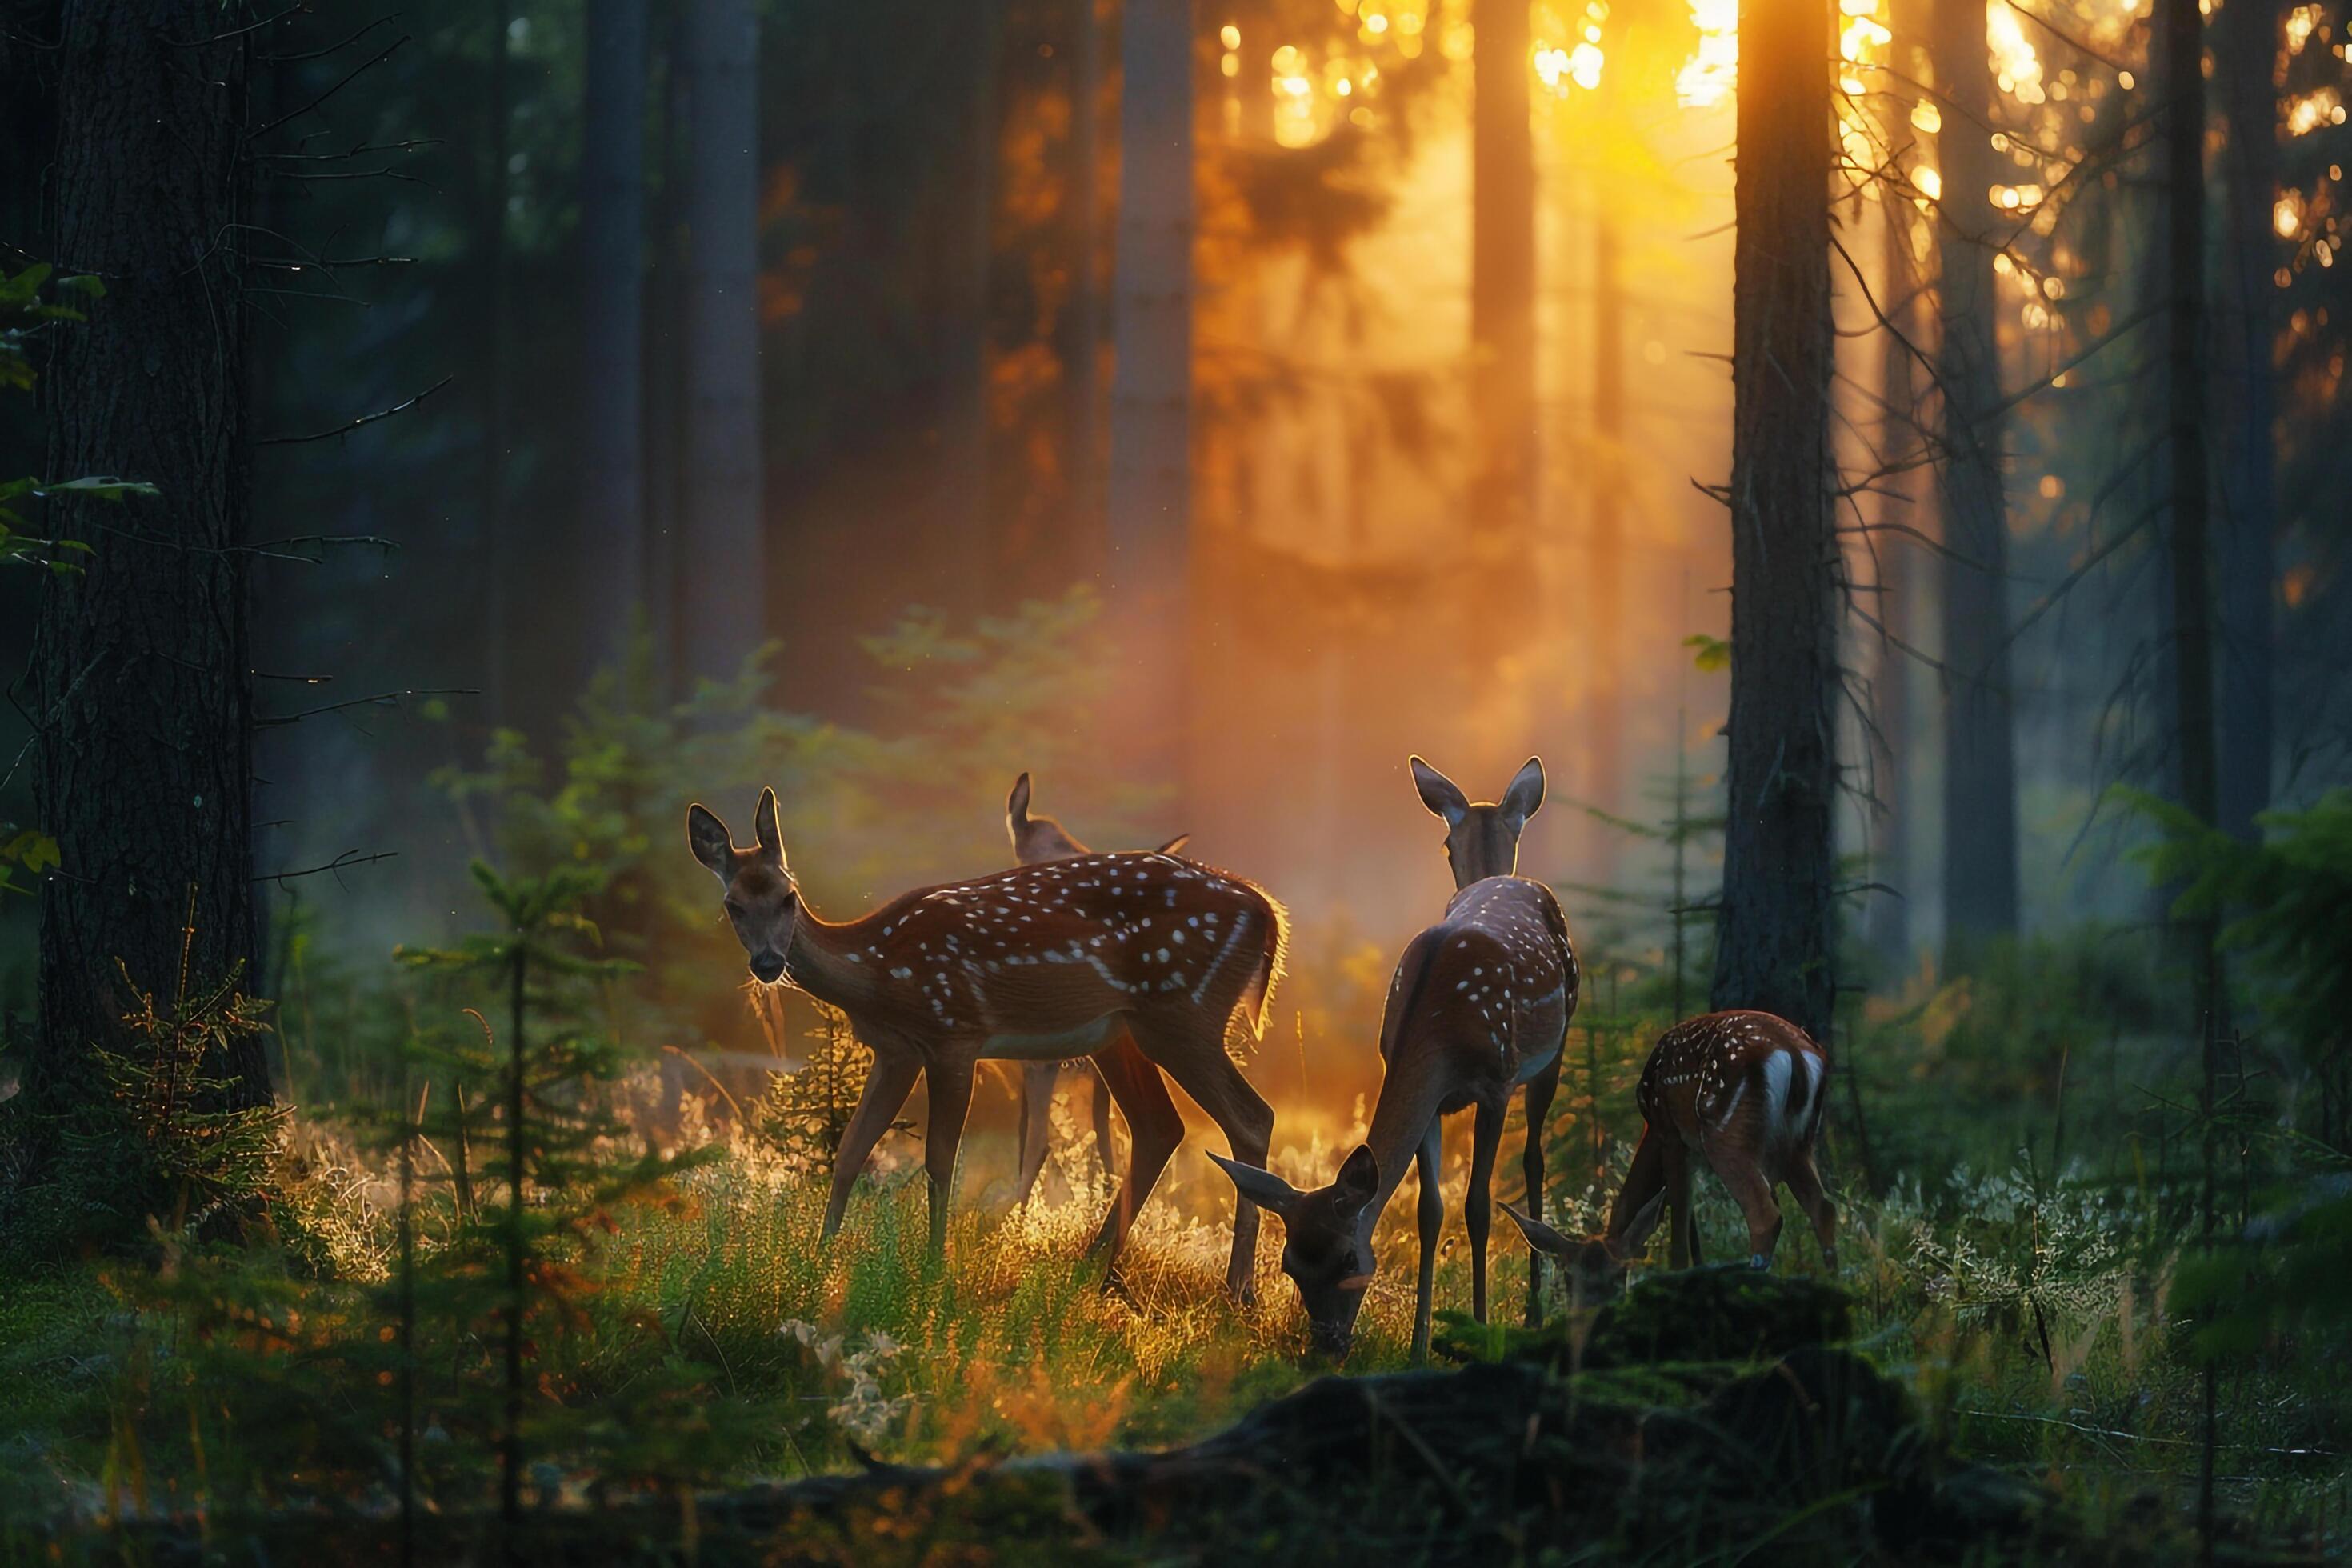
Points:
x=1980 y=758
x=1604 y=739
x=141 y=677
x=498 y=555
x=967 y=515
x=724 y=586
x=1081 y=552
x=1149 y=495
x=1890 y=913
x=1773 y=936
x=2248 y=553
x=1502 y=321
x=664 y=352
x=612 y=256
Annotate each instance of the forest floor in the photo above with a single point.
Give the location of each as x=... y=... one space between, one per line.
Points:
x=710 y=1338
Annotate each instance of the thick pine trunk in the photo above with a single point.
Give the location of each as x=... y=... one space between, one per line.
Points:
x=501 y=559
x=1980 y=758
x=724 y=588
x=1148 y=510
x=2247 y=552
x=967 y=515
x=1890 y=912
x=140 y=674
x=611 y=258
x=1080 y=552
x=1604 y=742
x=1774 y=933
x=1502 y=319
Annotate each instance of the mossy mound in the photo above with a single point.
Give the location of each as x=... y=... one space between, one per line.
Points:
x=1731 y=1315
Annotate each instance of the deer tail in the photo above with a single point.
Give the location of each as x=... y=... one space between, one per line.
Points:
x=1272 y=959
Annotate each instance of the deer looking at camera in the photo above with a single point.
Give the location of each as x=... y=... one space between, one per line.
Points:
x=1479 y=1007
x=1035 y=841
x=1743 y=1091
x=1039 y=964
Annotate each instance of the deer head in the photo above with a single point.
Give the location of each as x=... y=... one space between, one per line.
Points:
x=1482 y=840
x=1037 y=839
x=1327 y=1241
x=761 y=903
x=1593 y=1271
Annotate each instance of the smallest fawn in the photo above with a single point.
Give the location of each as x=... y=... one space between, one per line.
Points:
x=1742 y=1091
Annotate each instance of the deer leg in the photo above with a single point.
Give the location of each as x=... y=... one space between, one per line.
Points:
x=949 y=1084
x=1431 y=1212
x=1101 y=1095
x=1036 y=1122
x=888 y=1084
x=1805 y=1185
x=1155 y=1126
x=1681 y=1235
x=1540 y=1089
x=1193 y=1053
x=1478 y=1207
x=1751 y=1189
x=1642 y=1199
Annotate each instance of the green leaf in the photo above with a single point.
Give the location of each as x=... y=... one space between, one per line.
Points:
x=36 y=852
x=1709 y=654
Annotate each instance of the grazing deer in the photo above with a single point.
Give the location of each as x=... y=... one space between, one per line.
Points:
x=1036 y=840
x=1039 y=964
x=1745 y=1091
x=1479 y=1007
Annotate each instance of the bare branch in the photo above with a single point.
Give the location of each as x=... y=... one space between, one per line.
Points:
x=349 y=425
x=380 y=700
x=348 y=78
x=343 y=861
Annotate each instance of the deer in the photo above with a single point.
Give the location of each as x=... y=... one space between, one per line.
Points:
x=1743 y=1090
x=1036 y=964
x=1036 y=840
x=1477 y=1010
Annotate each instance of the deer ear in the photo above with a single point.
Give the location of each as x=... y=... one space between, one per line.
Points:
x=1263 y=1188
x=711 y=843
x=1175 y=844
x=1358 y=1180
x=1525 y=795
x=1017 y=806
x=1542 y=1237
x=771 y=836
x=1439 y=794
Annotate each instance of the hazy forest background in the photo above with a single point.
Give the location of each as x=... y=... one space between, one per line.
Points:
x=577 y=409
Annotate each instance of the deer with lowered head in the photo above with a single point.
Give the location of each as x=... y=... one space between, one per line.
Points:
x=1742 y=1091
x=1039 y=963
x=1035 y=840
x=1479 y=1008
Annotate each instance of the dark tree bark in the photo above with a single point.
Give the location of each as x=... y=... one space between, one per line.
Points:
x=612 y=256
x=724 y=590
x=140 y=676
x=2247 y=549
x=968 y=515
x=1773 y=935
x=1502 y=318
x=1979 y=757
x=1890 y=913
x=500 y=558
x=1604 y=743
x=1081 y=555
x=1149 y=495
x=2180 y=27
